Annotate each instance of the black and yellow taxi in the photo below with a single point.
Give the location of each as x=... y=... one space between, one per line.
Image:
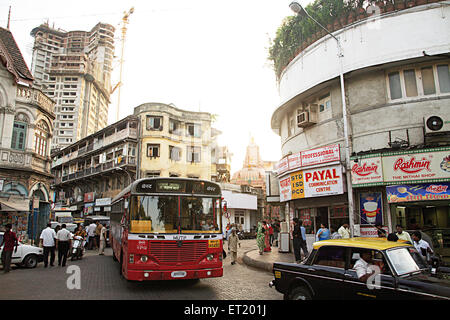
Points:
x=398 y=272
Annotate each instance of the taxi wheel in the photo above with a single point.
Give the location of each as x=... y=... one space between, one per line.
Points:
x=300 y=293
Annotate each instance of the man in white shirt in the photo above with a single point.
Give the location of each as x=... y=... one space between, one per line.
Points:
x=48 y=236
x=421 y=245
x=402 y=235
x=102 y=240
x=63 y=241
x=344 y=231
x=91 y=234
x=364 y=268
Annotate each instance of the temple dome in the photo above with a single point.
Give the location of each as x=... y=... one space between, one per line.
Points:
x=252 y=172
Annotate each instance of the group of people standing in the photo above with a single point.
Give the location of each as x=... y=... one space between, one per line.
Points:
x=266 y=234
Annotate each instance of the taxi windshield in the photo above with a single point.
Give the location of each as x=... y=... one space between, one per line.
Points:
x=406 y=260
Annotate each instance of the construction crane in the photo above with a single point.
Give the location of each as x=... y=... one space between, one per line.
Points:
x=125 y=21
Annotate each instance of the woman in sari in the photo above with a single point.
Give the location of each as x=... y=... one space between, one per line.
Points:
x=260 y=238
x=267 y=247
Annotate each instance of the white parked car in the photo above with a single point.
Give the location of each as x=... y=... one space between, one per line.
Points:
x=26 y=255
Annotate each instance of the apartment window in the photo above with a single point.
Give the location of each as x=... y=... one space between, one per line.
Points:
x=325 y=102
x=153 y=174
x=153 y=150
x=394 y=85
x=174 y=153
x=154 y=123
x=41 y=138
x=19 y=135
x=410 y=83
x=421 y=81
x=428 y=80
x=193 y=129
x=444 y=77
x=175 y=127
x=193 y=154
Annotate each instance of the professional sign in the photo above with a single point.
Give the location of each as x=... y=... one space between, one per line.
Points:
x=417 y=166
x=367 y=170
x=320 y=155
x=418 y=192
x=371 y=208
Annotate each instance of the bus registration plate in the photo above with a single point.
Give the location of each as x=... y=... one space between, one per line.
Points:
x=178 y=274
x=214 y=243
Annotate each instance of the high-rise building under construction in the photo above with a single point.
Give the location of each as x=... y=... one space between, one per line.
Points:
x=74 y=69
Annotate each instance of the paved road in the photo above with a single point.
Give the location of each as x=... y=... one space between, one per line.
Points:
x=100 y=280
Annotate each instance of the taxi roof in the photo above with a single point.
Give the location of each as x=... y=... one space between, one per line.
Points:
x=369 y=243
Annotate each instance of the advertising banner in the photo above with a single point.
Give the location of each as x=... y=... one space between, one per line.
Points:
x=294 y=161
x=371 y=208
x=367 y=170
x=418 y=192
x=417 y=166
x=283 y=165
x=285 y=189
x=320 y=155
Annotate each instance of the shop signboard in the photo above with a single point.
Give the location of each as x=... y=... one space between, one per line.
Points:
x=371 y=208
x=316 y=182
x=103 y=202
x=283 y=166
x=431 y=165
x=294 y=161
x=371 y=231
x=89 y=197
x=418 y=192
x=367 y=170
x=285 y=189
x=320 y=155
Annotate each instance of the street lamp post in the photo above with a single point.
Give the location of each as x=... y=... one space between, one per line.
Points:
x=129 y=176
x=298 y=9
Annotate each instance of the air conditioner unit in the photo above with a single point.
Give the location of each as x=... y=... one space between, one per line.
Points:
x=308 y=117
x=436 y=124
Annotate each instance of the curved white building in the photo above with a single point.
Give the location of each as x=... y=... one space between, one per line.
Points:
x=396 y=73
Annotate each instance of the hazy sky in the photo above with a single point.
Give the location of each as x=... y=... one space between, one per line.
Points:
x=202 y=55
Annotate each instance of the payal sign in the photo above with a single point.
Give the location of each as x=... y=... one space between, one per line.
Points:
x=310 y=183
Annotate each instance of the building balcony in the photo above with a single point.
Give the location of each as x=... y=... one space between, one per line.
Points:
x=23 y=160
x=34 y=97
x=97 y=169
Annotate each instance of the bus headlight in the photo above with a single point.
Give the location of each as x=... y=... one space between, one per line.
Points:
x=144 y=258
x=131 y=259
x=210 y=257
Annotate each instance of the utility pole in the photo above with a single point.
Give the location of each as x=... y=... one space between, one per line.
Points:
x=9 y=17
x=124 y=32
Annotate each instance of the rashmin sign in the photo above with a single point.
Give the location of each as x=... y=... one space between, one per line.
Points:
x=310 y=183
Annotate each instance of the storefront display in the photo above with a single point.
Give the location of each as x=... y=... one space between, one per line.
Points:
x=371 y=208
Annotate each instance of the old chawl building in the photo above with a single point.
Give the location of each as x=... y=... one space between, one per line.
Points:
x=26 y=129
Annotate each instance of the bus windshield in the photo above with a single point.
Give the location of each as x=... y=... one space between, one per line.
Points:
x=160 y=214
x=198 y=215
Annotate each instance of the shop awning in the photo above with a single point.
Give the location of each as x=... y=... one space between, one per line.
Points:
x=14 y=205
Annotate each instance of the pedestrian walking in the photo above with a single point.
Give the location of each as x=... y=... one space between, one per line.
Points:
x=299 y=240
x=323 y=233
x=48 y=242
x=10 y=243
x=260 y=238
x=344 y=231
x=233 y=243
x=270 y=234
x=91 y=235
x=63 y=243
x=98 y=229
x=267 y=247
x=102 y=240
x=276 y=231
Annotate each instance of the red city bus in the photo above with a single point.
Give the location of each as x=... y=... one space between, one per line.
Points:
x=168 y=228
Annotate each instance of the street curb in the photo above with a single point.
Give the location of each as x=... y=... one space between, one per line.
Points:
x=267 y=266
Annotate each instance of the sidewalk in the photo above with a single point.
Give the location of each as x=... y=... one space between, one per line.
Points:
x=265 y=261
